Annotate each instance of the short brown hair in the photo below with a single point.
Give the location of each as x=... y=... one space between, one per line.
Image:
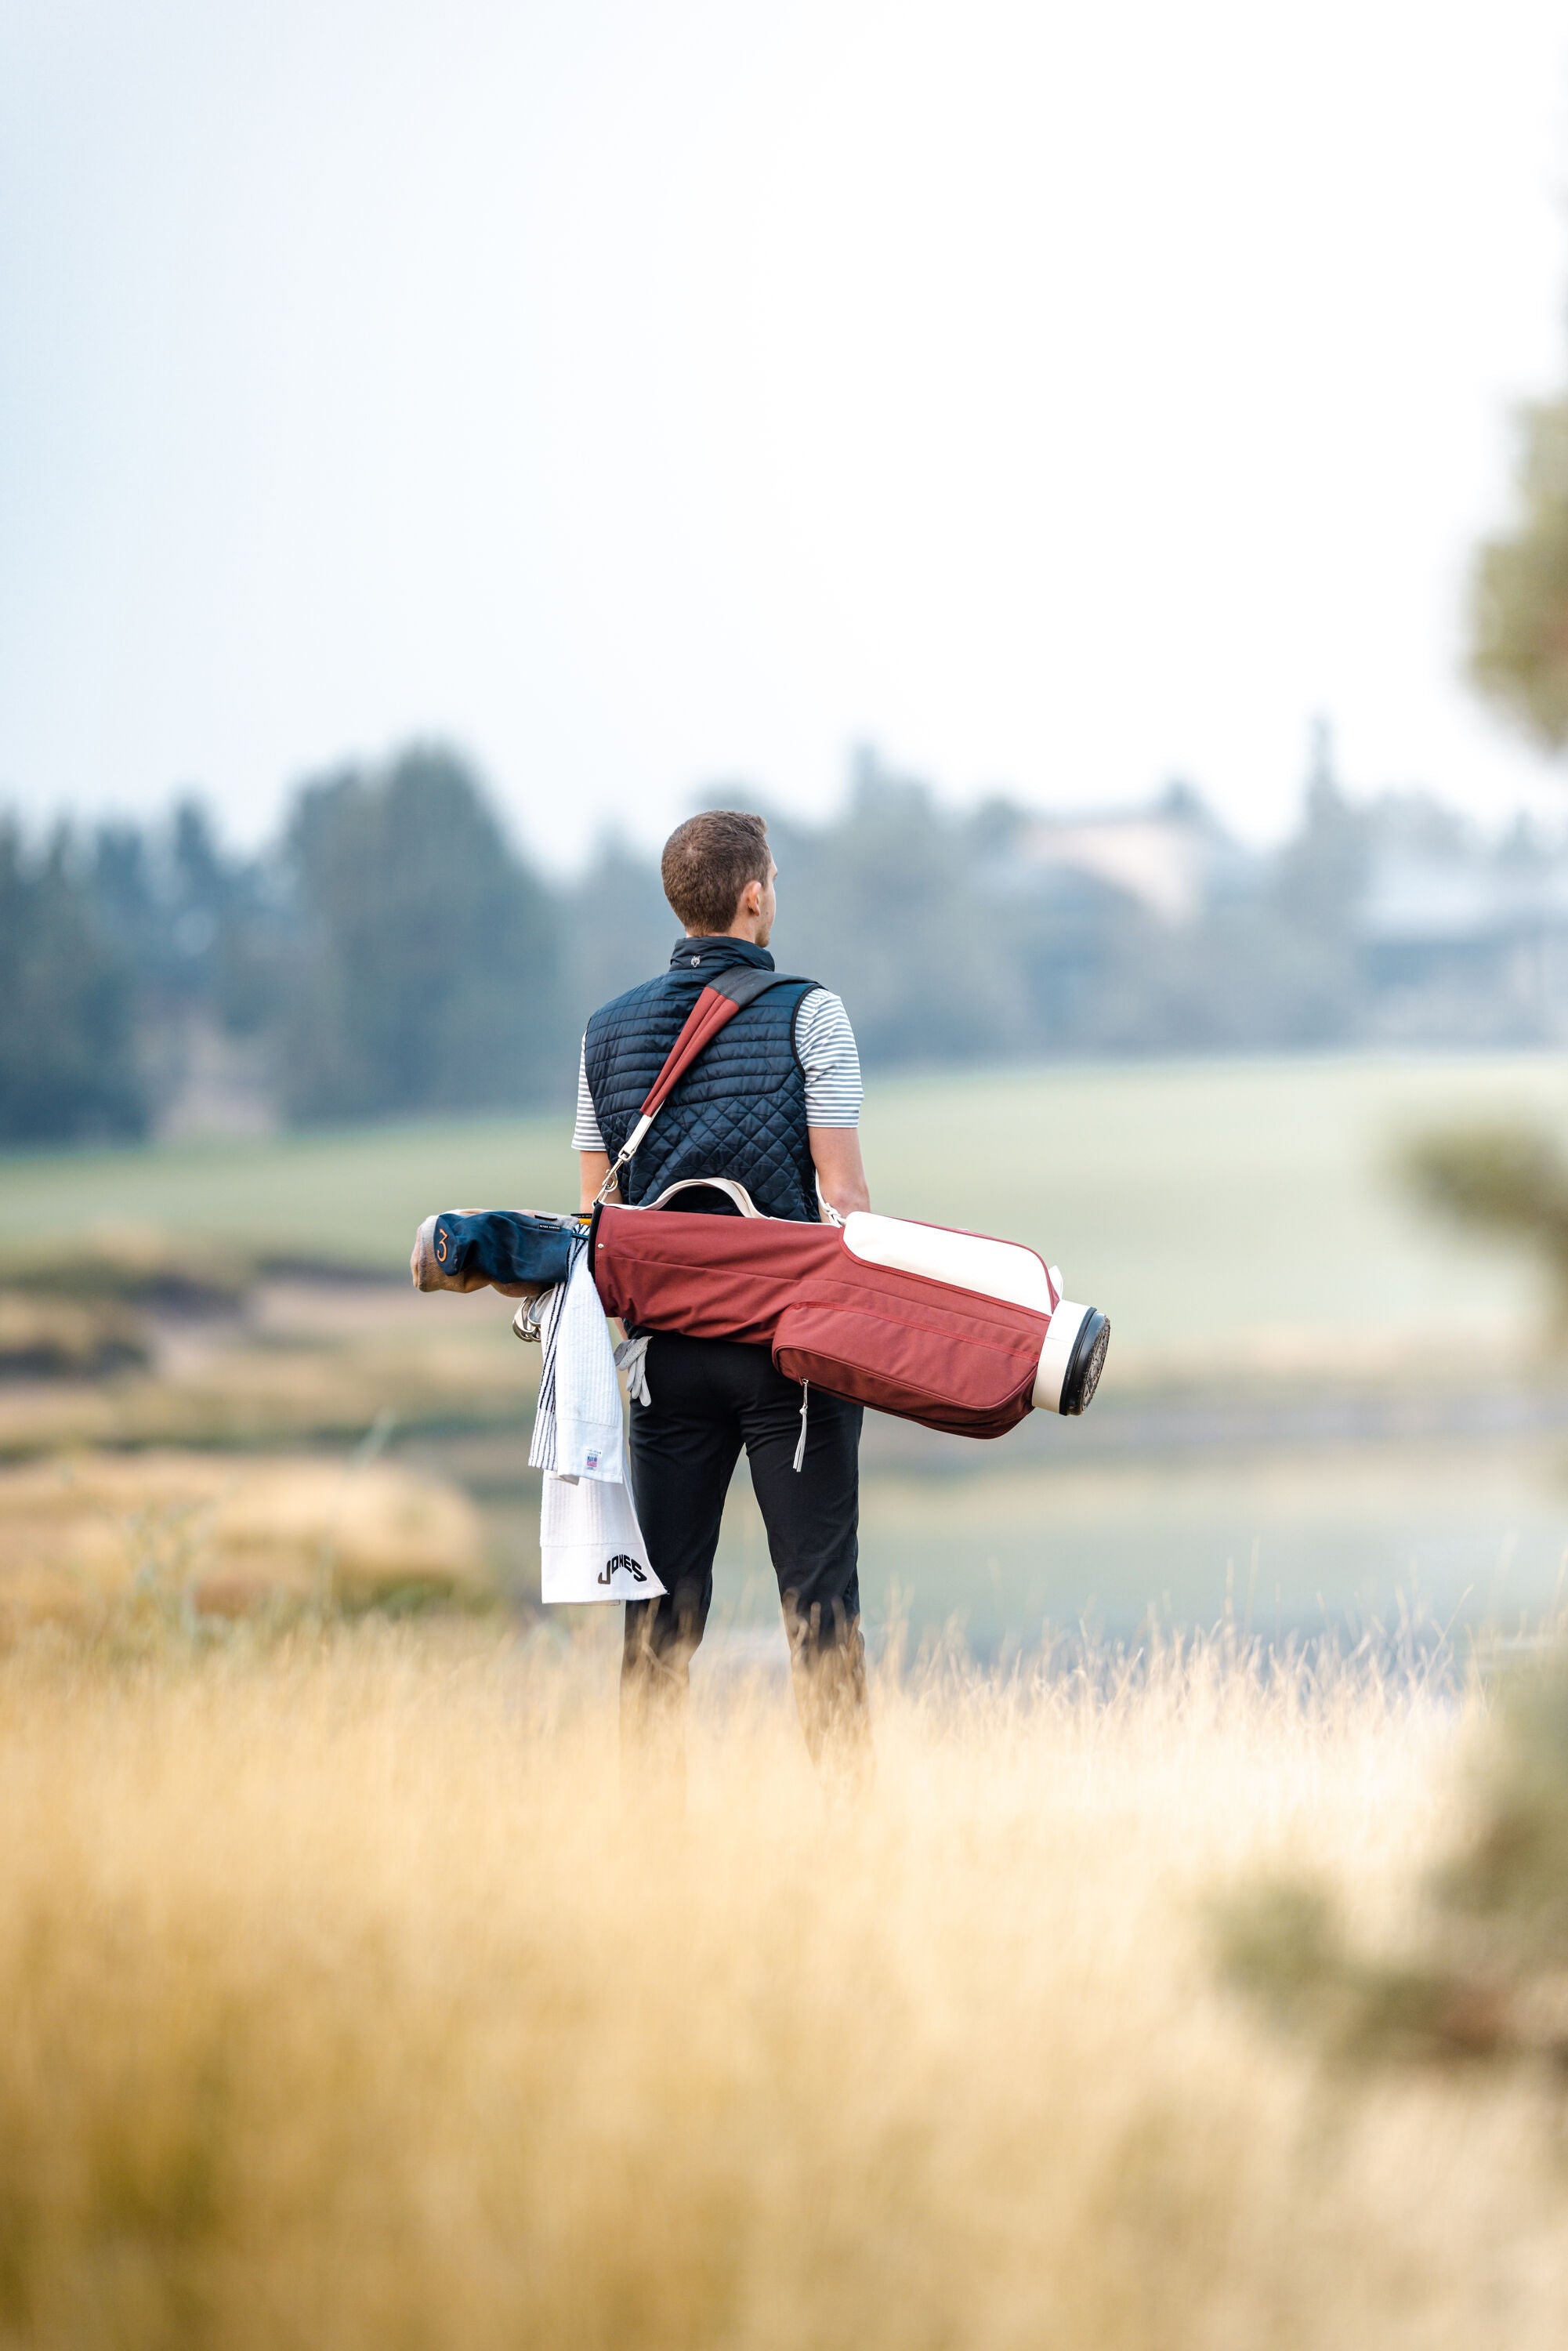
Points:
x=707 y=863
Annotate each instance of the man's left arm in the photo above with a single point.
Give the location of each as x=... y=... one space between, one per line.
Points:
x=834 y=1096
x=841 y=1173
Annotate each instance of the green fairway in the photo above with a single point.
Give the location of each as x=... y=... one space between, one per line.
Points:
x=358 y=1193
x=1195 y=1201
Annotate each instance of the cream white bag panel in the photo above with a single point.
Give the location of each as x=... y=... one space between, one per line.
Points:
x=1002 y=1269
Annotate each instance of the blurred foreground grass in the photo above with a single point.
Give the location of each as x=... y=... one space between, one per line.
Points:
x=348 y=2003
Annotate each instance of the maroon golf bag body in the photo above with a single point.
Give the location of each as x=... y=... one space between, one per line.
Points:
x=938 y=1351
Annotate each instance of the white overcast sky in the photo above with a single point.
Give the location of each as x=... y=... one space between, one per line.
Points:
x=647 y=394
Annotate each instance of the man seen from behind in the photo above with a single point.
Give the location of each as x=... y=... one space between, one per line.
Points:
x=772 y=1103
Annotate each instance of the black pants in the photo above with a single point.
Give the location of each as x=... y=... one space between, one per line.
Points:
x=711 y=1396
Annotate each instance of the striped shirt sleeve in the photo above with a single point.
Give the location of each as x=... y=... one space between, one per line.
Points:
x=826 y=1044
x=585 y=1135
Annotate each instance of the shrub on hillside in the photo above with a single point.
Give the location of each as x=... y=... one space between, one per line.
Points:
x=1487 y=1975
x=1507 y=1179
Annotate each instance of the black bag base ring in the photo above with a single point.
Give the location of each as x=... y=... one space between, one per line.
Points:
x=1086 y=1363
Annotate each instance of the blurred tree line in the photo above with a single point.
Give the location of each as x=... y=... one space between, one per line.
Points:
x=393 y=954
x=389 y=954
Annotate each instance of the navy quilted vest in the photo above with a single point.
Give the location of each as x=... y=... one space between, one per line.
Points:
x=740 y=1109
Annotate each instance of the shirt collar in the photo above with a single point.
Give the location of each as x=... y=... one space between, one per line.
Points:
x=716 y=955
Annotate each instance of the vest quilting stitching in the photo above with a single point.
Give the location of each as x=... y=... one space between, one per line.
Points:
x=740 y=1109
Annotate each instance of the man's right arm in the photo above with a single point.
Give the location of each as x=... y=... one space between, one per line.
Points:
x=595 y=1166
x=587 y=1142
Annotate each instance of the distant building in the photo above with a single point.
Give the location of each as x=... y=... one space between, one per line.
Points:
x=1467 y=945
x=1174 y=857
x=1390 y=921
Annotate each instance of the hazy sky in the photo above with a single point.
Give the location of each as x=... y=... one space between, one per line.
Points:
x=647 y=394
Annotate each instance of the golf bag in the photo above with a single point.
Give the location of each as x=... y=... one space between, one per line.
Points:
x=952 y=1330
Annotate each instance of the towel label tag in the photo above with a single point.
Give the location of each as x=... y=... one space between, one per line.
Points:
x=590 y=1546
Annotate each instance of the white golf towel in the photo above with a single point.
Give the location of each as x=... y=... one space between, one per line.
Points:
x=590 y=1545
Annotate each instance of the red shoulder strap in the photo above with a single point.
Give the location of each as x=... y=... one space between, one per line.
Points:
x=717 y=1004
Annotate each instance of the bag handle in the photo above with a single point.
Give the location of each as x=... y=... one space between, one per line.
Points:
x=718 y=1003
x=734 y=1192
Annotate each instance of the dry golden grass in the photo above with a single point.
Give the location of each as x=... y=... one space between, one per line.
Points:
x=347 y=2005
x=109 y=1541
